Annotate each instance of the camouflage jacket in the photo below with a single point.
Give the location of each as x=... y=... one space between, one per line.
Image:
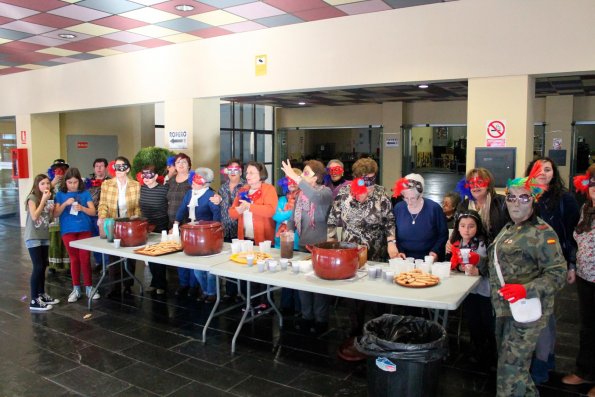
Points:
x=529 y=254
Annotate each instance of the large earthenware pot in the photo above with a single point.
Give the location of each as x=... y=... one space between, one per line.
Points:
x=132 y=232
x=335 y=260
x=202 y=238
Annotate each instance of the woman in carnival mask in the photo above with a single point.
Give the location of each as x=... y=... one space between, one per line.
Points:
x=334 y=178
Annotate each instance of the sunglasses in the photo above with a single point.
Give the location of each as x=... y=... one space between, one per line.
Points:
x=369 y=180
x=121 y=167
x=148 y=174
x=591 y=182
x=522 y=198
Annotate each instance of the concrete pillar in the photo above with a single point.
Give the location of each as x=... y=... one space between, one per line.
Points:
x=392 y=157
x=558 y=125
x=509 y=99
x=43 y=144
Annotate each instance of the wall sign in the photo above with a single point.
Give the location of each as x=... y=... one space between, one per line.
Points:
x=23 y=137
x=177 y=139
x=82 y=145
x=260 y=65
x=496 y=133
x=391 y=140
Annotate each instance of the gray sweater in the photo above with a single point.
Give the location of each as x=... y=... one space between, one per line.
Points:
x=322 y=200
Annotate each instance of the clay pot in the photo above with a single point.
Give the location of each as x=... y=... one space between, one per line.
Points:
x=335 y=260
x=202 y=238
x=132 y=232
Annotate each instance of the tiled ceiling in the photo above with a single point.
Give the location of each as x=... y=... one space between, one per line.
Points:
x=42 y=33
x=579 y=85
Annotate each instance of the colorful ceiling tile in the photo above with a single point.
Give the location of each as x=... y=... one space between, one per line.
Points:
x=14 y=12
x=255 y=10
x=278 y=20
x=126 y=37
x=110 y=6
x=119 y=22
x=91 y=44
x=13 y=34
x=153 y=31
x=150 y=15
x=245 y=26
x=291 y=6
x=27 y=27
x=92 y=29
x=55 y=21
x=226 y=3
x=218 y=18
x=364 y=7
x=319 y=13
x=41 y=6
x=170 y=6
x=179 y=38
x=61 y=52
x=210 y=32
x=183 y=24
x=77 y=12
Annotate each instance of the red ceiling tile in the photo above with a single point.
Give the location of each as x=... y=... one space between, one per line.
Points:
x=120 y=23
x=12 y=70
x=152 y=43
x=319 y=13
x=210 y=32
x=45 y=5
x=55 y=21
x=29 y=57
x=293 y=5
x=170 y=6
x=92 y=44
x=4 y=20
x=15 y=47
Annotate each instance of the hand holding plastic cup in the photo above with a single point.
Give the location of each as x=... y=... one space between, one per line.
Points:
x=470 y=270
x=117 y=242
x=465 y=254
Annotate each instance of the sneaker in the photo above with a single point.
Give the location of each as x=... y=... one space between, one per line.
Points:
x=74 y=295
x=37 y=305
x=88 y=292
x=48 y=300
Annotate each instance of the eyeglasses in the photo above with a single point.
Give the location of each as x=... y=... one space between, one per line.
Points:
x=523 y=198
x=121 y=167
x=233 y=170
x=148 y=174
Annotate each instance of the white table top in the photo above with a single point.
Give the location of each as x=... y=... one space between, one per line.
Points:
x=179 y=259
x=447 y=295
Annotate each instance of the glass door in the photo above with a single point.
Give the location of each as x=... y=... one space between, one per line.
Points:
x=408 y=163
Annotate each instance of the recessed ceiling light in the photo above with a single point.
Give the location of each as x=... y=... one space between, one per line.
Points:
x=184 y=7
x=422 y=86
x=67 y=35
x=301 y=103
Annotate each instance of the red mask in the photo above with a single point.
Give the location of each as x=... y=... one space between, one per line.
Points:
x=337 y=170
x=198 y=179
x=290 y=182
x=478 y=183
x=59 y=171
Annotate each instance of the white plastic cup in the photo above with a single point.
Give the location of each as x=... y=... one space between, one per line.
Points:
x=250 y=260
x=429 y=259
x=163 y=235
x=236 y=247
x=465 y=254
x=283 y=262
x=117 y=242
x=295 y=267
x=72 y=210
x=265 y=246
x=468 y=268
x=425 y=267
x=247 y=246
x=260 y=265
x=410 y=259
x=273 y=266
x=389 y=277
x=305 y=266
x=372 y=271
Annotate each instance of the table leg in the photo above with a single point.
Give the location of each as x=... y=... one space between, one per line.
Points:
x=133 y=276
x=213 y=311
x=244 y=315
x=441 y=316
x=93 y=290
x=272 y=303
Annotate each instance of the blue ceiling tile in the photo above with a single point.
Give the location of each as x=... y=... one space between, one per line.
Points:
x=278 y=20
x=13 y=34
x=184 y=25
x=110 y=6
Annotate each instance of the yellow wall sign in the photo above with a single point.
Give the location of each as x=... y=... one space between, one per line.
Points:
x=260 y=65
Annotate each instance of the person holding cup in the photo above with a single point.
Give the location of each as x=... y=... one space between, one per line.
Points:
x=39 y=206
x=74 y=206
x=468 y=242
x=309 y=217
x=58 y=256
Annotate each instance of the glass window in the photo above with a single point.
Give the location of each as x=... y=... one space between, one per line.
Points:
x=269 y=168
x=247 y=149
x=268 y=146
x=225 y=147
x=259 y=117
x=225 y=117
x=247 y=117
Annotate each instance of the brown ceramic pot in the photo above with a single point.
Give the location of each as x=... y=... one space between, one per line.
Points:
x=132 y=232
x=202 y=238
x=335 y=260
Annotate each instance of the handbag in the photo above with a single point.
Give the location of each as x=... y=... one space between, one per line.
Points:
x=524 y=310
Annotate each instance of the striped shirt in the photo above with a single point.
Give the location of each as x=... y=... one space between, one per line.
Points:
x=153 y=205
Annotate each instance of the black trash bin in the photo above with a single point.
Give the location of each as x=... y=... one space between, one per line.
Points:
x=405 y=355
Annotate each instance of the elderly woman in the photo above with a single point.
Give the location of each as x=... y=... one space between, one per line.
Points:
x=363 y=210
x=478 y=188
x=178 y=185
x=584 y=235
x=119 y=198
x=198 y=200
x=559 y=209
x=420 y=223
x=525 y=261
x=335 y=179
x=309 y=216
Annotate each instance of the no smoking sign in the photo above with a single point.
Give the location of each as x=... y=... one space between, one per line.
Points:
x=496 y=133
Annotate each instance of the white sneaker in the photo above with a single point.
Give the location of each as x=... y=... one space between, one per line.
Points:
x=74 y=295
x=88 y=292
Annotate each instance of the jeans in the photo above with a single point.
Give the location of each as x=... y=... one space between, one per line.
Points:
x=186 y=278
x=207 y=282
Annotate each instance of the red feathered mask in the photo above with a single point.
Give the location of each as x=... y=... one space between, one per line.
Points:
x=111 y=169
x=400 y=185
x=582 y=182
x=358 y=187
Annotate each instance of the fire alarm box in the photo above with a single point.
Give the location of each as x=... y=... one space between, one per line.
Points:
x=20 y=163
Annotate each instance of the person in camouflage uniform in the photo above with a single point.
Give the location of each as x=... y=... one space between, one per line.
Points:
x=533 y=266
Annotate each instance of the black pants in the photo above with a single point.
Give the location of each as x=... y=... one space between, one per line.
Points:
x=159 y=280
x=480 y=318
x=585 y=361
x=39 y=258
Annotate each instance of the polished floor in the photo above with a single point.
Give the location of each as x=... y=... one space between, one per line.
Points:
x=147 y=346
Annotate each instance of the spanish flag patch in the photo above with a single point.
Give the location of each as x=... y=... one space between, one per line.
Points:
x=551 y=241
